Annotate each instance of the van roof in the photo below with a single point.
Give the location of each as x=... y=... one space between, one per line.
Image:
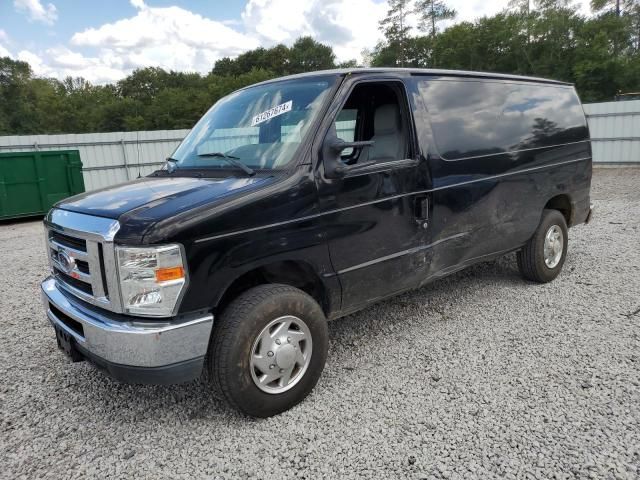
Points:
x=421 y=71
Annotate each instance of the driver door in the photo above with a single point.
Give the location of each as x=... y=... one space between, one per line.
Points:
x=377 y=218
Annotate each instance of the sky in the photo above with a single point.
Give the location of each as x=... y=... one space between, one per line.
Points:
x=103 y=41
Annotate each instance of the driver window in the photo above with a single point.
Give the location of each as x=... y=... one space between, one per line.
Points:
x=375 y=111
x=346 y=128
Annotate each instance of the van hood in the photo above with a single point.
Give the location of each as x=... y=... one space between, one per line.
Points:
x=157 y=198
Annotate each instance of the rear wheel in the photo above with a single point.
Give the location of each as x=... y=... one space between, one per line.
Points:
x=542 y=258
x=268 y=349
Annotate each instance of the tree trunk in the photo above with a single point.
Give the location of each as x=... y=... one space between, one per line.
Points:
x=401 y=37
x=433 y=21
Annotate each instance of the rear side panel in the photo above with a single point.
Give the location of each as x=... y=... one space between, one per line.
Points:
x=500 y=151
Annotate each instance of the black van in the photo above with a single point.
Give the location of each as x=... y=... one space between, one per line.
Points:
x=305 y=198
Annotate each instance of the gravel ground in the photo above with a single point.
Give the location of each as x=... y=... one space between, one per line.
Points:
x=479 y=375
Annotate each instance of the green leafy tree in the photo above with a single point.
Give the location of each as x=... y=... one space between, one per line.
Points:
x=304 y=55
x=523 y=8
x=431 y=13
x=143 y=84
x=307 y=55
x=600 y=54
x=458 y=47
x=17 y=112
x=226 y=66
x=120 y=114
x=353 y=63
x=278 y=60
x=554 y=39
x=490 y=44
x=176 y=108
x=635 y=28
x=600 y=70
x=615 y=6
x=546 y=5
x=520 y=6
x=396 y=29
x=627 y=11
x=219 y=86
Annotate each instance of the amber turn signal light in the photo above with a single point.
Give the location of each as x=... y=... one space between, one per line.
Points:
x=171 y=273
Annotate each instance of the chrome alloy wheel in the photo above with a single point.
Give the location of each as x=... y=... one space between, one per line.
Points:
x=553 y=245
x=281 y=354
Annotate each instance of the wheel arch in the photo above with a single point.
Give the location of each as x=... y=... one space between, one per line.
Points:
x=562 y=203
x=295 y=273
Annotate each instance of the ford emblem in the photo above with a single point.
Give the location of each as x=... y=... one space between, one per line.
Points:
x=66 y=261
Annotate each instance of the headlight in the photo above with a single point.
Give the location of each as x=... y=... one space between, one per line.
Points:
x=151 y=279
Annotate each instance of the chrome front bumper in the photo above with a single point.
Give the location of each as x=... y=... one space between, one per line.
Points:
x=141 y=351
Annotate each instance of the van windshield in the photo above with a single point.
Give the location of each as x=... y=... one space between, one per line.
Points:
x=260 y=126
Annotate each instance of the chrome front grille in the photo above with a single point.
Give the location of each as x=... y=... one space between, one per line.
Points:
x=73 y=266
x=82 y=256
x=66 y=241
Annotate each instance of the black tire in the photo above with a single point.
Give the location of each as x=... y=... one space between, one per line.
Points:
x=531 y=260
x=235 y=331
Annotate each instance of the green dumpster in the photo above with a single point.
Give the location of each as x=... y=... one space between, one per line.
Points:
x=31 y=182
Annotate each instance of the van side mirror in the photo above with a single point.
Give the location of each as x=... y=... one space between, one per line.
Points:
x=332 y=148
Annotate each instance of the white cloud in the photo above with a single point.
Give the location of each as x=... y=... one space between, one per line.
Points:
x=36 y=63
x=62 y=57
x=37 y=12
x=175 y=38
x=170 y=37
x=348 y=26
x=60 y=62
x=4 y=38
x=4 y=52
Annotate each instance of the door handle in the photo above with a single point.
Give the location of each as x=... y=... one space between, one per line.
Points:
x=421 y=211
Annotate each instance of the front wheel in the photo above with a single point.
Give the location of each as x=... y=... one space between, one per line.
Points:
x=268 y=349
x=542 y=258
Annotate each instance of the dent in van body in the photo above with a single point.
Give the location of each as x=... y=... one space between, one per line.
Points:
x=493 y=191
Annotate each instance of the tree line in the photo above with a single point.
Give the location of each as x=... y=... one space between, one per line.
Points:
x=549 y=38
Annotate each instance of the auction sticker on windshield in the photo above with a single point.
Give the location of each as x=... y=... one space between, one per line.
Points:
x=272 y=112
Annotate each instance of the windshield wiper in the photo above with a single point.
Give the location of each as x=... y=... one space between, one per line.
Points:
x=232 y=160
